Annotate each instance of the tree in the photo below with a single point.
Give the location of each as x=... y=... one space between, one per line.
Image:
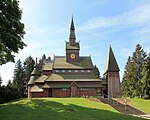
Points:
x=28 y=68
x=0 y=80
x=131 y=84
x=42 y=61
x=139 y=57
x=145 y=81
x=11 y=30
x=18 y=78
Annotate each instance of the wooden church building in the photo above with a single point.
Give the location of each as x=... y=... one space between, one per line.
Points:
x=74 y=75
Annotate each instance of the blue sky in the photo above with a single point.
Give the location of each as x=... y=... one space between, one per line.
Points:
x=98 y=23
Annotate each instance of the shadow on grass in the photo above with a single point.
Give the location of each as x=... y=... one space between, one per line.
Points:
x=40 y=109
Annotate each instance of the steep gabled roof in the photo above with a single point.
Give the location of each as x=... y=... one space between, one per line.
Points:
x=31 y=81
x=84 y=63
x=48 y=66
x=111 y=63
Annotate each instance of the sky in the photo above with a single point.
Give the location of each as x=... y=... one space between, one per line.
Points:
x=98 y=23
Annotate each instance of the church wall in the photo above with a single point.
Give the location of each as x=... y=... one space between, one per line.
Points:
x=87 y=93
x=45 y=93
x=36 y=94
x=59 y=92
x=114 y=87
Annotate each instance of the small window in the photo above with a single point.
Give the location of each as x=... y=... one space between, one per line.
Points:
x=56 y=71
x=82 y=71
x=70 y=71
x=64 y=89
x=63 y=71
x=88 y=71
x=76 y=70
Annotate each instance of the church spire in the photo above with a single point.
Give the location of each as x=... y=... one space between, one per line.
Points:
x=111 y=64
x=72 y=37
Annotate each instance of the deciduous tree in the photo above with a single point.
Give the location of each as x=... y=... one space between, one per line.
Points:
x=11 y=30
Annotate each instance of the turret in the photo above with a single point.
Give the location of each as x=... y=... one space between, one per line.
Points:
x=35 y=74
x=111 y=75
x=72 y=47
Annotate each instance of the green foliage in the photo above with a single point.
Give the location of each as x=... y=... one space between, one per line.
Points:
x=8 y=92
x=11 y=30
x=145 y=81
x=60 y=109
x=18 y=87
x=18 y=78
x=132 y=83
x=0 y=80
x=41 y=62
x=28 y=68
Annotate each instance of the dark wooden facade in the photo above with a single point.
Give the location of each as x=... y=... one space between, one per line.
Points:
x=73 y=75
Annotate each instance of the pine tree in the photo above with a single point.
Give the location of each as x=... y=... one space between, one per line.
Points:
x=0 y=80
x=28 y=68
x=42 y=61
x=131 y=84
x=18 y=78
x=126 y=87
x=139 y=57
x=145 y=81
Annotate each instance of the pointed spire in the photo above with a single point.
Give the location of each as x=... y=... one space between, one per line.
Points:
x=111 y=64
x=72 y=25
x=72 y=37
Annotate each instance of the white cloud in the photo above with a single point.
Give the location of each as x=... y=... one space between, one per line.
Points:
x=135 y=17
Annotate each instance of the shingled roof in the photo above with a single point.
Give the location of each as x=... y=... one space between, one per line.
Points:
x=48 y=66
x=84 y=63
x=111 y=64
x=72 y=77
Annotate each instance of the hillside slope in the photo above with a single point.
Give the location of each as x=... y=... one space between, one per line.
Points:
x=59 y=109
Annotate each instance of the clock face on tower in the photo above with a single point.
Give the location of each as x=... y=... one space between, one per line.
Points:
x=72 y=56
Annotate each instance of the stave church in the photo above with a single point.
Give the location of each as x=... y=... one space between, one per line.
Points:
x=73 y=75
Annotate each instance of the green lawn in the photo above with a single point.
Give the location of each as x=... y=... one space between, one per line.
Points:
x=59 y=109
x=141 y=104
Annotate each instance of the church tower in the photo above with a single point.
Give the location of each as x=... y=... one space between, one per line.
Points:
x=72 y=47
x=112 y=77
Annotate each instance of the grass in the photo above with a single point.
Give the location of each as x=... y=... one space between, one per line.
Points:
x=60 y=109
x=141 y=104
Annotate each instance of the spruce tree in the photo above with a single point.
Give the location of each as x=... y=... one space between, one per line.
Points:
x=28 y=68
x=42 y=61
x=145 y=80
x=126 y=82
x=131 y=84
x=0 y=80
x=18 y=78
